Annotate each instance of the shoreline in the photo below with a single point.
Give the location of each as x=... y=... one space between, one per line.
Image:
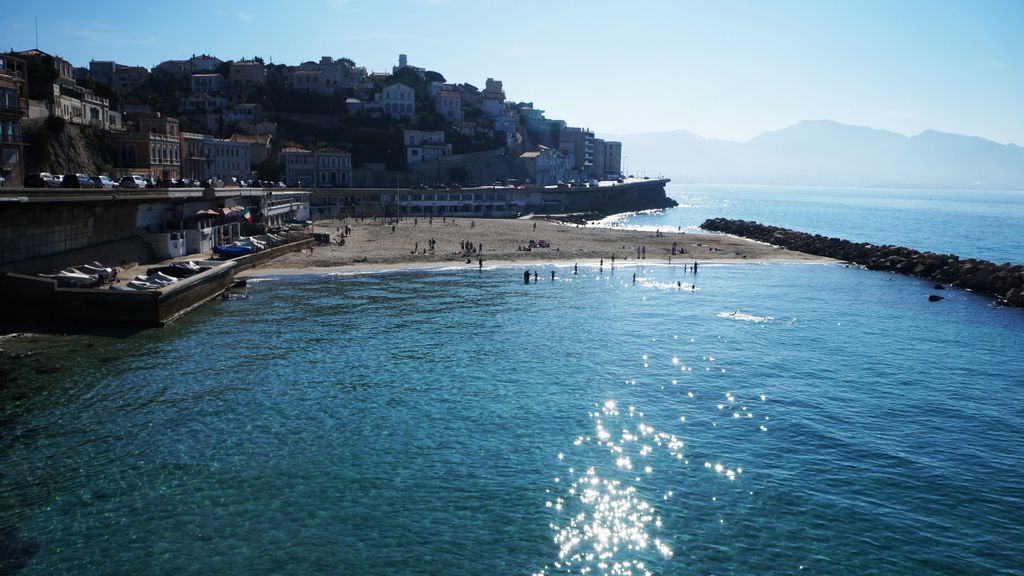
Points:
x=380 y=245
x=380 y=268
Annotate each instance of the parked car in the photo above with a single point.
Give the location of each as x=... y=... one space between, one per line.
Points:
x=167 y=183
x=102 y=181
x=42 y=180
x=76 y=181
x=133 y=182
x=150 y=183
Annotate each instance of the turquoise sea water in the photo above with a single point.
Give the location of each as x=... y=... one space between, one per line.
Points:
x=749 y=419
x=984 y=224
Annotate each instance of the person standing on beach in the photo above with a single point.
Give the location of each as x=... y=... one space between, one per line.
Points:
x=481 y=261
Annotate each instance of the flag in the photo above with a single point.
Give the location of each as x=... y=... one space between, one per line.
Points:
x=247 y=215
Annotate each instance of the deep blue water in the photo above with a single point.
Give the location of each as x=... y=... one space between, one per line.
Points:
x=778 y=419
x=969 y=223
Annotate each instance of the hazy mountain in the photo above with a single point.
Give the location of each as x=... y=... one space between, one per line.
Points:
x=820 y=152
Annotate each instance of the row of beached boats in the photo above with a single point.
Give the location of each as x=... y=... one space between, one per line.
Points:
x=162 y=276
x=248 y=245
x=83 y=275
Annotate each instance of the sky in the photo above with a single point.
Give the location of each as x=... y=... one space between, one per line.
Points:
x=728 y=69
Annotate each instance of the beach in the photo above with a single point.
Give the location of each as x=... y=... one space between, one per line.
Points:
x=378 y=244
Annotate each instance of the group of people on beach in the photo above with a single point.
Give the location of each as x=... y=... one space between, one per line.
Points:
x=466 y=247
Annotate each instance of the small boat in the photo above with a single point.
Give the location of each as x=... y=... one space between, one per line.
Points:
x=233 y=250
x=73 y=279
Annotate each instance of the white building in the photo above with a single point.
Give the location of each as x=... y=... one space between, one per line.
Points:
x=506 y=124
x=298 y=166
x=547 y=166
x=423 y=145
x=397 y=100
x=208 y=83
x=325 y=76
x=226 y=158
x=251 y=113
x=203 y=102
x=448 y=103
x=333 y=168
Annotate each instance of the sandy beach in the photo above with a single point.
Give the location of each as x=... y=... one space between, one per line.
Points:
x=378 y=245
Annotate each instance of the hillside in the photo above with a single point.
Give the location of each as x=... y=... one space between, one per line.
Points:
x=826 y=153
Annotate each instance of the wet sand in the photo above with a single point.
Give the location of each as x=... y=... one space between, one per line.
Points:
x=379 y=245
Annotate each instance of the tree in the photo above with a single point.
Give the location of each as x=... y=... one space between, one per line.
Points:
x=458 y=174
x=270 y=169
x=432 y=76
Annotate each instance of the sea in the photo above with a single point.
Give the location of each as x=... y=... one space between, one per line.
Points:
x=741 y=419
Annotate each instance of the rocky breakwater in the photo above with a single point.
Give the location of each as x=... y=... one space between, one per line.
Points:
x=1004 y=282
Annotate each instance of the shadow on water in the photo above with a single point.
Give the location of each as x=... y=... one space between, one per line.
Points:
x=15 y=553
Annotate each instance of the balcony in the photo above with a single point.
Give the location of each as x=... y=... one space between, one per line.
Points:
x=20 y=108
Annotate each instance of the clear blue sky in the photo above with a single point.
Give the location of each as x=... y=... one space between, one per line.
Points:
x=724 y=69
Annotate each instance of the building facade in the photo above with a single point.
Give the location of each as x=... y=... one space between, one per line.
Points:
x=193 y=160
x=247 y=74
x=298 y=166
x=149 y=146
x=206 y=82
x=128 y=78
x=333 y=167
x=448 y=103
x=259 y=146
x=421 y=145
x=226 y=158
x=397 y=100
x=13 y=107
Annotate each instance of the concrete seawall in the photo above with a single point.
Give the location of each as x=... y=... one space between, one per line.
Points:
x=44 y=300
x=1004 y=282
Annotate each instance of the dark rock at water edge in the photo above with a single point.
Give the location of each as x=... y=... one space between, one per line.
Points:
x=15 y=553
x=1004 y=282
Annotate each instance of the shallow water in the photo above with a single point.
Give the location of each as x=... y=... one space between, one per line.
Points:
x=773 y=420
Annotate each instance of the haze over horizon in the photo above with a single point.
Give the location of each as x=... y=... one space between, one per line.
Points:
x=731 y=70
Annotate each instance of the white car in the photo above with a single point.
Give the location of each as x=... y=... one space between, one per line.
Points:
x=103 y=182
x=133 y=182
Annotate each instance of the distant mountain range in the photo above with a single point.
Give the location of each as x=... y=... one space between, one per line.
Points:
x=825 y=153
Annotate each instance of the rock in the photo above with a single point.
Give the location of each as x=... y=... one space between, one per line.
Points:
x=1003 y=281
x=15 y=553
x=934 y=298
